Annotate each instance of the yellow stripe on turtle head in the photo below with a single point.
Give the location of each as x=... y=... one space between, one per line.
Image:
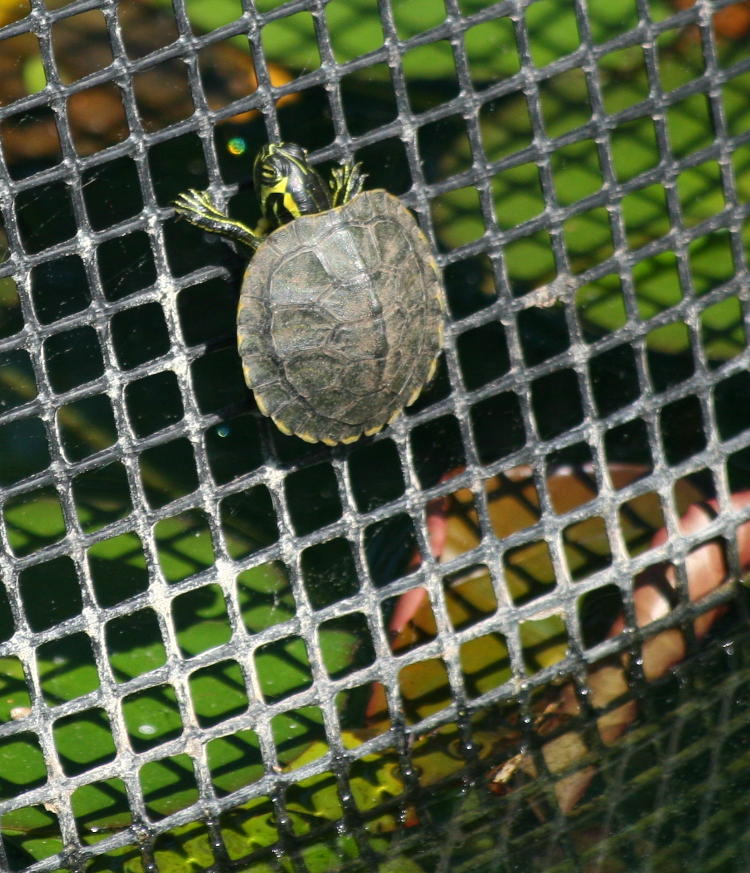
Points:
x=288 y=201
x=302 y=166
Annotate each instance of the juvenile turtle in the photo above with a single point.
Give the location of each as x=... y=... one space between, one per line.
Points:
x=340 y=317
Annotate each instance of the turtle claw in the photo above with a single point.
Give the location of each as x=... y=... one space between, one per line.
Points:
x=194 y=204
x=199 y=209
x=346 y=182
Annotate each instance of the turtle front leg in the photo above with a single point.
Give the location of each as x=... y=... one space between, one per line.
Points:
x=346 y=182
x=198 y=208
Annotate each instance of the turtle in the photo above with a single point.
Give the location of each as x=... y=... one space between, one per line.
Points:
x=341 y=311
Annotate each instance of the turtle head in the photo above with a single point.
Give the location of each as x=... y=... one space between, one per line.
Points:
x=287 y=185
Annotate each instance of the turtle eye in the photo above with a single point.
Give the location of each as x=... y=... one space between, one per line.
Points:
x=268 y=173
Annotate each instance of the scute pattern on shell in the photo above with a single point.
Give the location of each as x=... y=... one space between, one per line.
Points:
x=341 y=319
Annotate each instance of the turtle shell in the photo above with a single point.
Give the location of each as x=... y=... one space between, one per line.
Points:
x=340 y=319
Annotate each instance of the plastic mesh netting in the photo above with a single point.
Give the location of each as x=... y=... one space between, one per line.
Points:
x=505 y=633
